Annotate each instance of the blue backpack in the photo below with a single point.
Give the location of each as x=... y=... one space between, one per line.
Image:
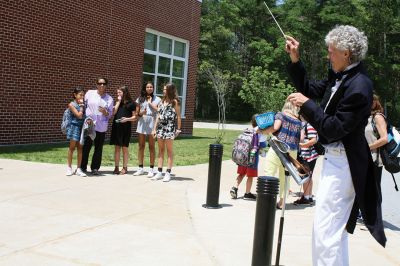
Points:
x=390 y=151
x=393 y=145
x=66 y=121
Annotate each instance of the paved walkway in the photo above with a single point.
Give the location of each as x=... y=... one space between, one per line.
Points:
x=47 y=218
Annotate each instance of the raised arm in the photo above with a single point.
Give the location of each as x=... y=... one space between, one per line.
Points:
x=73 y=109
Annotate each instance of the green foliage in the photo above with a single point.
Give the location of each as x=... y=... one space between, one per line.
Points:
x=264 y=90
x=239 y=36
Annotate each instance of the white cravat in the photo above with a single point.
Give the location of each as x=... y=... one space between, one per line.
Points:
x=337 y=144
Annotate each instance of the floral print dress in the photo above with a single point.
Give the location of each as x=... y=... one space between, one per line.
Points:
x=166 y=122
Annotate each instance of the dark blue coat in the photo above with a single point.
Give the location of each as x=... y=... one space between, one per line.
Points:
x=345 y=119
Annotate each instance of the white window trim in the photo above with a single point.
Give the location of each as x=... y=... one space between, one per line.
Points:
x=173 y=57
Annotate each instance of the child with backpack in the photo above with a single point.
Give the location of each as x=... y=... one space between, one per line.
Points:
x=286 y=128
x=308 y=154
x=73 y=130
x=258 y=141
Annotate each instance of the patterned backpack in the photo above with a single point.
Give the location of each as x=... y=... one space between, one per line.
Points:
x=242 y=147
x=66 y=121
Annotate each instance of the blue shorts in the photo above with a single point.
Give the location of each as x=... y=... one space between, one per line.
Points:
x=74 y=132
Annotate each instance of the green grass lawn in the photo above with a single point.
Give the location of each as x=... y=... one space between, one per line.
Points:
x=187 y=150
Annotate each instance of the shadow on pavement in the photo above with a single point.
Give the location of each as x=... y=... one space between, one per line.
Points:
x=391 y=226
x=291 y=206
x=179 y=178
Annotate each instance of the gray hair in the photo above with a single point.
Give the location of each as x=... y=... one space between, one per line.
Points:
x=345 y=37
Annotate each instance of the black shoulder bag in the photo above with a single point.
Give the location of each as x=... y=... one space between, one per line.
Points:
x=391 y=163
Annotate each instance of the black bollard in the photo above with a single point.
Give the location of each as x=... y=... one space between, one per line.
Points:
x=214 y=176
x=267 y=191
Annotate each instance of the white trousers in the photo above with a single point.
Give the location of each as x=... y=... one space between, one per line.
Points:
x=334 y=202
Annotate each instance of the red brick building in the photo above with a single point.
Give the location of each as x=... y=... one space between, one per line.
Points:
x=49 y=47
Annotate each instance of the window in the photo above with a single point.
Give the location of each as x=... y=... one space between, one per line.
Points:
x=166 y=60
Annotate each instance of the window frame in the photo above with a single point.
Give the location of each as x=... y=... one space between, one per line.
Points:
x=172 y=57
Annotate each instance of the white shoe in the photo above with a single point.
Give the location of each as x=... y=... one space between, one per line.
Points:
x=157 y=176
x=150 y=173
x=167 y=177
x=139 y=172
x=69 y=171
x=80 y=173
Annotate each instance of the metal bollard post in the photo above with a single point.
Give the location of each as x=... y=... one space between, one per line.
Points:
x=267 y=191
x=214 y=176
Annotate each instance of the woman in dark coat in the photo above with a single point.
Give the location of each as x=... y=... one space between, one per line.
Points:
x=347 y=181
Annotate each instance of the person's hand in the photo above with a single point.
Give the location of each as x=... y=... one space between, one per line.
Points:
x=292 y=48
x=103 y=111
x=297 y=99
x=267 y=131
x=123 y=120
x=153 y=133
x=134 y=118
x=177 y=132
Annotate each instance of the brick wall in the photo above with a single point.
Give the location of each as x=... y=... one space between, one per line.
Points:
x=49 y=47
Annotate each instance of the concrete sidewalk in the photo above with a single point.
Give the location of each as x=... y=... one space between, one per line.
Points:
x=48 y=218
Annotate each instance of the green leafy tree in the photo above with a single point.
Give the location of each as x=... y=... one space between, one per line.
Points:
x=240 y=37
x=264 y=90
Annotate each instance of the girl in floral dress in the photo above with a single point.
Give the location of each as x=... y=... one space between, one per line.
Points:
x=166 y=130
x=286 y=128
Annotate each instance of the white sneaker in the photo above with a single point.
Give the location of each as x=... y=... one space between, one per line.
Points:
x=69 y=171
x=139 y=172
x=80 y=173
x=157 y=176
x=167 y=177
x=150 y=173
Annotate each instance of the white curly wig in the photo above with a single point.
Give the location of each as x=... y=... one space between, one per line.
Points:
x=345 y=37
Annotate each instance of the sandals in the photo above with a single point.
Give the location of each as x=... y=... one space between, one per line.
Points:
x=124 y=171
x=116 y=170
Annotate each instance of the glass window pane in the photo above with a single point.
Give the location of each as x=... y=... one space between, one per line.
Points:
x=164 y=65
x=165 y=45
x=180 y=49
x=149 y=63
x=161 y=82
x=150 y=42
x=179 y=85
x=177 y=69
x=180 y=103
x=146 y=78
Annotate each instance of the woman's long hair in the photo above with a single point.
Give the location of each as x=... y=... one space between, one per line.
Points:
x=143 y=92
x=171 y=94
x=376 y=105
x=126 y=97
